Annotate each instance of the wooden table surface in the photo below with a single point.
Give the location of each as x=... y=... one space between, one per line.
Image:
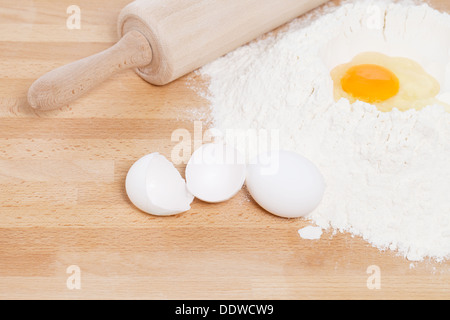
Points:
x=63 y=203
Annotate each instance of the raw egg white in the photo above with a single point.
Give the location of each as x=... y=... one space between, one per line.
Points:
x=156 y=187
x=285 y=184
x=215 y=173
x=387 y=82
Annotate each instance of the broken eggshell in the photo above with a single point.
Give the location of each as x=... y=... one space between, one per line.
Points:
x=156 y=187
x=215 y=173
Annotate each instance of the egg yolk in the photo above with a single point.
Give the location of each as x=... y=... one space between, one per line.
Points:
x=370 y=83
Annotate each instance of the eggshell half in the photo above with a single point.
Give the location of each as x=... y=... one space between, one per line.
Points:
x=156 y=187
x=215 y=173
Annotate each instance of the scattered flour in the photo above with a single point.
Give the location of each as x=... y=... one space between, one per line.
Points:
x=387 y=174
x=311 y=233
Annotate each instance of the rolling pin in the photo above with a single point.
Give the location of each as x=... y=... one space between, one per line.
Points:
x=166 y=39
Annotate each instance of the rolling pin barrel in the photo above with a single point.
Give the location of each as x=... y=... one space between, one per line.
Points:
x=166 y=39
x=186 y=35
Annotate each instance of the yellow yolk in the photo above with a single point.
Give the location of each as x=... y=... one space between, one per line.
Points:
x=386 y=82
x=370 y=83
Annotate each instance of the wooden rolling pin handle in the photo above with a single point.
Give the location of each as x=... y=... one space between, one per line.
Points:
x=61 y=86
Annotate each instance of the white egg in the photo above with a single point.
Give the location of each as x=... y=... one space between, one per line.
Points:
x=156 y=187
x=215 y=173
x=285 y=184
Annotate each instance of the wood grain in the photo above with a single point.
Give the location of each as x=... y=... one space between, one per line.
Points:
x=62 y=199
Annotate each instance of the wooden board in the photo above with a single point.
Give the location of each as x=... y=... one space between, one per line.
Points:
x=62 y=198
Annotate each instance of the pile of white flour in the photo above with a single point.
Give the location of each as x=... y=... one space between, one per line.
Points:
x=387 y=174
